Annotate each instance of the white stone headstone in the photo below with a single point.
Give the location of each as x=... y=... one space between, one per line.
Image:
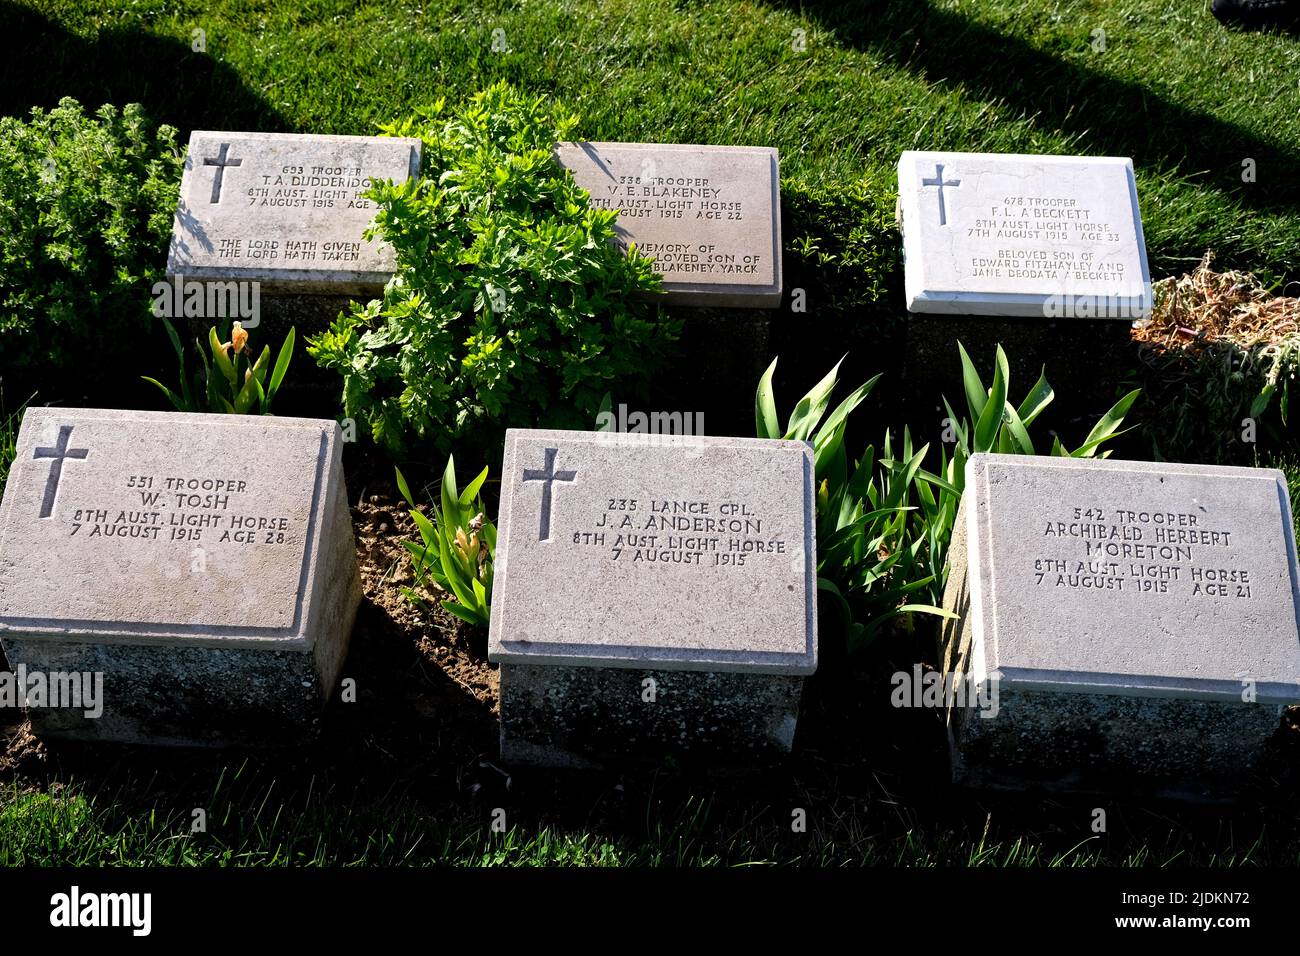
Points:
x=710 y=216
x=1008 y=235
x=286 y=210
x=1129 y=617
x=686 y=561
x=204 y=564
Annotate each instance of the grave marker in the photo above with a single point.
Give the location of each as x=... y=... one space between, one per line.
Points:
x=1134 y=621
x=286 y=210
x=710 y=216
x=1008 y=235
x=203 y=564
x=653 y=594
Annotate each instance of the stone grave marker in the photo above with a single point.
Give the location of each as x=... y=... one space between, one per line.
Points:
x=710 y=216
x=203 y=565
x=1057 y=237
x=1120 y=622
x=653 y=595
x=286 y=210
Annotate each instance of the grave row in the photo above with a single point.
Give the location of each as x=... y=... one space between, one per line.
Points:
x=658 y=594
x=989 y=234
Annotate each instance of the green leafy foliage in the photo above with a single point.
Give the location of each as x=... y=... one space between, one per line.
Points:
x=993 y=424
x=456 y=549
x=869 y=538
x=884 y=523
x=86 y=205
x=230 y=381
x=8 y=438
x=511 y=303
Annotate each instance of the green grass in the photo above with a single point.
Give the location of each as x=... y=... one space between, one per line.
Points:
x=261 y=823
x=1289 y=463
x=1187 y=99
x=9 y=422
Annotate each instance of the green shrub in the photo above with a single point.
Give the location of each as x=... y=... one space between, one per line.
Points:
x=869 y=538
x=86 y=204
x=456 y=550
x=884 y=524
x=511 y=303
x=992 y=424
x=232 y=382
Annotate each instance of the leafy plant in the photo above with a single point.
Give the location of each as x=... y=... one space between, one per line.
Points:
x=231 y=382
x=456 y=550
x=86 y=203
x=884 y=524
x=869 y=541
x=9 y=437
x=992 y=424
x=511 y=301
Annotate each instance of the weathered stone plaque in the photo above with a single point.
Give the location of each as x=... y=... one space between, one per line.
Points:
x=1131 y=619
x=1000 y=234
x=652 y=592
x=710 y=216
x=286 y=210
x=203 y=564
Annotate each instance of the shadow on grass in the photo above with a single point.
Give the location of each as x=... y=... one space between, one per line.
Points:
x=42 y=62
x=1109 y=116
x=397 y=781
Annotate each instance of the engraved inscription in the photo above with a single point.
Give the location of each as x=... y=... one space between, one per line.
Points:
x=701 y=533
x=58 y=454
x=685 y=200
x=196 y=510
x=220 y=161
x=547 y=475
x=1179 y=554
x=1018 y=227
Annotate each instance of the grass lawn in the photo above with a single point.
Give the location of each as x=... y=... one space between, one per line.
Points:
x=406 y=775
x=1188 y=100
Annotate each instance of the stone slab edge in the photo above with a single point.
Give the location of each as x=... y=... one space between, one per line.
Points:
x=979 y=557
x=501 y=650
x=1006 y=304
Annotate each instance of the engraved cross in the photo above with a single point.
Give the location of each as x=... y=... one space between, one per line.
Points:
x=221 y=162
x=548 y=475
x=58 y=453
x=939 y=181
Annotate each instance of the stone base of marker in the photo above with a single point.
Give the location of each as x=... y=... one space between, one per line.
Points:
x=184 y=697
x=579 y=717
x=1115 y=715
x=1094 y=742
x=214 y=620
